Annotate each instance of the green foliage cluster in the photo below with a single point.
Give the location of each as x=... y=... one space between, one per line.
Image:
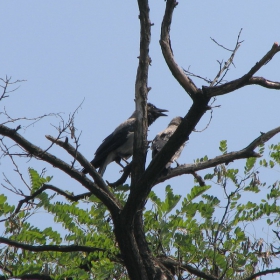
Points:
x=85 y=226
x=209 y=231
x=205 y=228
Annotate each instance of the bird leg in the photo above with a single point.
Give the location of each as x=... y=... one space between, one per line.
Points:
x=125 y=161
x=118 y=161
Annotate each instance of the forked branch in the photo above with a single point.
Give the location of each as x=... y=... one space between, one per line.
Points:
x=106 y=197
x=248 y=78
x=81 y=159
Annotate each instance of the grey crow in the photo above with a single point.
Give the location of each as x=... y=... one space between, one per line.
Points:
x=119 y=144
x=162 y=138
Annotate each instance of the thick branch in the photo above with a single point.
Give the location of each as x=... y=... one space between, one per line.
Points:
x=247 y=79
x=139 y=194
x=106 y=197
x=264 y=83
x=121 y=181
x=167 y=52
x=141 y=93
x=81 y=159
x=265 y=272
x=168 y=262
x=53 y=248
x=226 y=158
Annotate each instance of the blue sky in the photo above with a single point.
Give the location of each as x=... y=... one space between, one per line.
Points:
x=70 y=51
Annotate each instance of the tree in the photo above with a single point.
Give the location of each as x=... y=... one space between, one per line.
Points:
x=117 y=237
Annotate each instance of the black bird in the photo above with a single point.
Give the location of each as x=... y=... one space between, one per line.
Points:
x=162 y=138
x=119 y=144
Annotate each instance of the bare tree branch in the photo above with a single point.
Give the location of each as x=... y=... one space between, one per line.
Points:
x=265 y=272
x=169 y=262
x=225 y=67
x=189 y=73
x=106 y=197
x=63 y=127
x=264 y=83
x=199 y=179
x=42 y=189
x=228 y=63
x=167 y=52
x=5 y=150
x=81 y=159
x=244 y=80
x=34 y=120
x=53 y=248
x=7 y=82
x=226 y=158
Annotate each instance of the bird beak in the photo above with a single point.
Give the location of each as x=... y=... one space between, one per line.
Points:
x=160 y=112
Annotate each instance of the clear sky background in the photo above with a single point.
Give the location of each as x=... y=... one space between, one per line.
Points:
x=70 y=51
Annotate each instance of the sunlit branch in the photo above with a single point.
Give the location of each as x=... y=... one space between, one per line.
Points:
x=226 y=158
x=264 y=83
x=265 y=272
x=167 y=52
x=168 y=262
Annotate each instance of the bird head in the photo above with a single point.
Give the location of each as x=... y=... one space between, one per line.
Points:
x=154 y=113
x=176 y=121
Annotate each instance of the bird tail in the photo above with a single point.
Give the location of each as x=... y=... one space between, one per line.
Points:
x=101 y=169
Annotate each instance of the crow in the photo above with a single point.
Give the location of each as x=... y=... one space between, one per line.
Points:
x=162 y=138
x=119 y=144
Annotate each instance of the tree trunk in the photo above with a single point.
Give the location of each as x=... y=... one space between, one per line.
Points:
x=139 y=262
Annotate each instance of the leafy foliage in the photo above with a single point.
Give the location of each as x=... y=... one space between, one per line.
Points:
x=205 y=230
x=89 y=227
x=36 y=180
x=208 y=231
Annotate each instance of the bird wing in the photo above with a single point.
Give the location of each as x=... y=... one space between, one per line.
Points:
x=160 y=140
x=113 y=142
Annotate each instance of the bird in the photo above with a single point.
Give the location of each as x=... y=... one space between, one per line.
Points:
x=162 y=138
x=119 y=144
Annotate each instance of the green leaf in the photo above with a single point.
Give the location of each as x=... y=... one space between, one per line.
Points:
x=3 y=198
x=250 y=163
x=36 y=180
x=223 y=146
x=197 y=191
x=171 y=200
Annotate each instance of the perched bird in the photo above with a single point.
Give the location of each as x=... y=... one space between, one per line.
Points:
x=119 y=144
x=162 y=138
